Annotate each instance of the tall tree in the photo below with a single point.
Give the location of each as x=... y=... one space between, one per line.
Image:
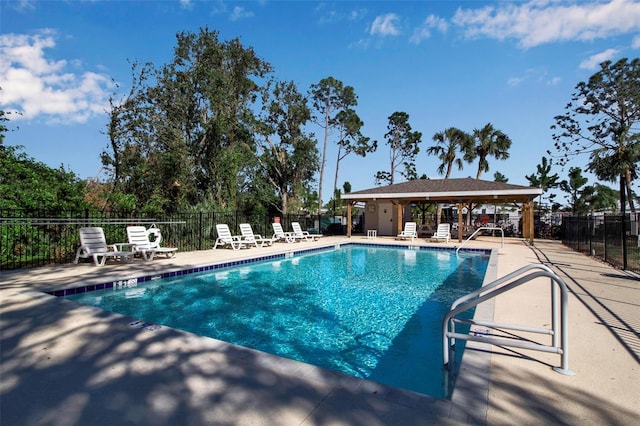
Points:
x=189 y=124
x=404 y=145
x=487 y=142
x=3 y=128
x=289 y=157
x=543 y=178
x=329 y=96
x=573 y=187
x=449 y=143
x=350 y=140
x=499 y=177
x=602 y=120
x=29 y=184
x=598 y=197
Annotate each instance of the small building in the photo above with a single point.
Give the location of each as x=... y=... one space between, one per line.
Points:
x=387 y=208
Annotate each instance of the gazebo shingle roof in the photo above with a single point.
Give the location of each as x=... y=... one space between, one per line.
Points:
x=448 y=190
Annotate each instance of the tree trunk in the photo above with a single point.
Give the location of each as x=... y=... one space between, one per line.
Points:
x=632 y=207
x=623 y=220
x=335 y=180
x=285 y=201
x=324 y=160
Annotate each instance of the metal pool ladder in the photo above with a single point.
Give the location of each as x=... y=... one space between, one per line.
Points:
x=514 y=279
x=484 y=228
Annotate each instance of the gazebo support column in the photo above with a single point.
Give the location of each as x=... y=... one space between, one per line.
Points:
x=349 y=225
x=528 y=221
x=531 y=222
x=399 y=208
x=460 y=221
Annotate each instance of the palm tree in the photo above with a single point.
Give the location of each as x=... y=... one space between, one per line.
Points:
x=448 y=143
x=498 y=177
x=488 y=142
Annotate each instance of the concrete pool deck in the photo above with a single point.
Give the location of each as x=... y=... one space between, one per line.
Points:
x=66 y=364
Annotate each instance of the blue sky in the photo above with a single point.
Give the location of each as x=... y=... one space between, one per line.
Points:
x=514 y=64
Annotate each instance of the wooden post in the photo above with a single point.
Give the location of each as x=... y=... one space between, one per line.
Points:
x=528 y=221
x=349 y=219
x=460 y=221
x=532 y=222
x=525 y=220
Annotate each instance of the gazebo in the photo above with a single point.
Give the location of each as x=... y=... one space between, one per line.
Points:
x=461 y=192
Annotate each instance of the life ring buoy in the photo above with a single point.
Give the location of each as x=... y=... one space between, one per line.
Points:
x=154 y=236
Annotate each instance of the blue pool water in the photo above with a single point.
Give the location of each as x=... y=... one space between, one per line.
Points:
x=371 y=312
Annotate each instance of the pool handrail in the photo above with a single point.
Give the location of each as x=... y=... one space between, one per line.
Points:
x=483 y=228
x=498 y=287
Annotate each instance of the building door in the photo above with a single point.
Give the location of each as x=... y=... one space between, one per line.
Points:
x=385 y=219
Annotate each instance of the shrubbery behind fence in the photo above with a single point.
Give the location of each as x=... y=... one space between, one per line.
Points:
x=37 y=238
x=601 y=236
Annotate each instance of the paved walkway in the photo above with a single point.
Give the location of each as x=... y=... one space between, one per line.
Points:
x=604 y=347
x=64 y=364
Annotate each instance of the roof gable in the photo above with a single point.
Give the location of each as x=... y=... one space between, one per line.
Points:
x=448 y=190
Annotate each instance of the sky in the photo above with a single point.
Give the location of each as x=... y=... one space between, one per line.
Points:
x=514 y=64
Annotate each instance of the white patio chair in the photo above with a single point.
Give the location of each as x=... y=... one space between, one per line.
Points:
x=410 y=231
x=443 y=233
x=249 y=237
x=139 y=241
x=226 y=239
x=280 y=235
x=299 y=233
x=94 y=244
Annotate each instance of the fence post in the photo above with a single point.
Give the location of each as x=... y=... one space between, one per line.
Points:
x=625 y=255
x=200 y=231
x=604 y=238
x=591 y=228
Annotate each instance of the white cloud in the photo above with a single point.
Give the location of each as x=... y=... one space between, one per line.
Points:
x=535 y=76
x=240 y=13
x=35 y=86
x=424 y=31
x=385 y=25
x=186 y=4
x=635 y=43
x=594 y=60
x=218 y=7
x=541 y=21
x=515 y=81
x=333 y=16
x=356 y=14
x=554 y=81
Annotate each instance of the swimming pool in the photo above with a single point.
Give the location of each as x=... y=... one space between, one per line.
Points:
x=368 y=311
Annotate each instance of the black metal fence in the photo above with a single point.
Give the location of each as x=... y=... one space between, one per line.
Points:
x=37 y=238
x=602 y=237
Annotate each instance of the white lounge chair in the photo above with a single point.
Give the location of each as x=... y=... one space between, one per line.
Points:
x=299 y=233
x=250 y=238
x=139 y=241
x=280 y=235
x=226 y=239
x=157 y=239
x=94 y=244
x=443 y=233
x=410 y=231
